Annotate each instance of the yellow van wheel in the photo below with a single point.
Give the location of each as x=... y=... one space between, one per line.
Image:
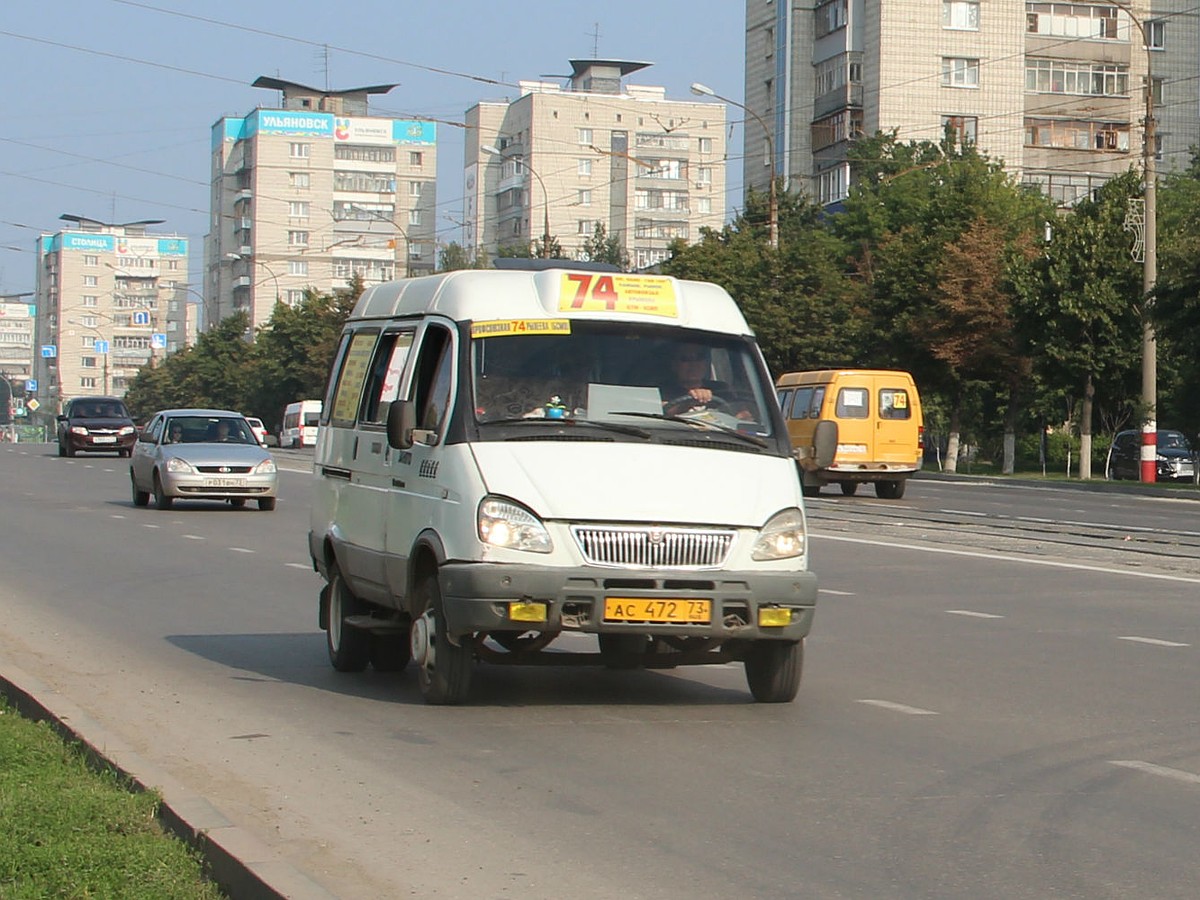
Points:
x=849 y=488
x=890 y=490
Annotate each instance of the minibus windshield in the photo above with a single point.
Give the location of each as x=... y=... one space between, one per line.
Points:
x=606 y=371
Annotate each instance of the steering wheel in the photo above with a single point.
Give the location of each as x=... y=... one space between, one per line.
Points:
x=687 y=402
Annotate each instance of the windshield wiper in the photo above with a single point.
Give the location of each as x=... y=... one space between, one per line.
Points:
x=631 y=430
x=698 y=423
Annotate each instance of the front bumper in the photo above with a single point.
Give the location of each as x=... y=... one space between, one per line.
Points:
x=476 y=596
x=199 y=486
x=100 y=443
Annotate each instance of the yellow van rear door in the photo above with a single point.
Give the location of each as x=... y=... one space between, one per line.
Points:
x=895 y=421
x=853 y=405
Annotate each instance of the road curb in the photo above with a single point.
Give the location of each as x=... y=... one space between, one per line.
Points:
x=1098 y=486
x=241 y=863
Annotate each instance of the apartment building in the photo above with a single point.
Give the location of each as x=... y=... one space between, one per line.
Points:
x=1054 y=90
x=312 y=191
x=593 y=149
x=110 y=299
x=16 y=337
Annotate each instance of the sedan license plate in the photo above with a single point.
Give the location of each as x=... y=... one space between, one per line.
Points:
x=626 y=609
x=224 y=482
x=104 y=439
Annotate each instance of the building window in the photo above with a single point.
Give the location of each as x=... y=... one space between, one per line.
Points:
x=90 y=300
x=1076 y=20
x=704 y=176
x=295 y=298
x=297 y=266
x=88 y=340
x=960 y=14
x=583 y=167
x=960 y=72
x=297 y=238
x=414 y=189
x=89 y=321
x=298 y=209
x=584 y=137
x=1077 y=134
x=416 y=158
x=831 y=17
x=833 y=184
x=87 y=362
x=90 y=281
x=298 y=150
x=1052 y=76
x=87 y=382
x=705 y=145
x=841 y=126
x=963 y=129
x=300 y=180
x=585 y=198
x=1156 y=31
x=414 y=217
x=585 y=226
x=91 y=260
x=704 y=205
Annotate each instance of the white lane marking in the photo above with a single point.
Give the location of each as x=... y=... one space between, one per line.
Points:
x=997 y=557
x=297 y=566
x=1152 y=769
x=193 y=537
x=835 y=593
x=240 y=550
x=146 y=525
x=1155 y=641
x=116 y=516
x=973 y=614
x=899 y=707
x=963 y=512
x=110 y=470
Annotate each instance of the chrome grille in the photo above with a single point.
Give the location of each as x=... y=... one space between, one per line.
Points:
x=654 y=548
x=224 y=470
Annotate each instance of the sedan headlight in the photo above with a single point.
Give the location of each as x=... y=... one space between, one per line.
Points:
x=266 y=467
x=781 y=538
x=175 y=464
x=126 y=429
x=78 y=429
x=503 y=523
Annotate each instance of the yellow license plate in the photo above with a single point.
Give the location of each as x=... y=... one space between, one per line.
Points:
x=625 y=609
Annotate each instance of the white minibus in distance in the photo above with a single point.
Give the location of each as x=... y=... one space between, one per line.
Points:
x=300 y=420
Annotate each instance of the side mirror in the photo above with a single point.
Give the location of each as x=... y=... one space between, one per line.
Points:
x=401 y=420
x=825 y=441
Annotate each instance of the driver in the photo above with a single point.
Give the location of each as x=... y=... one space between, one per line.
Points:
x=688 y=386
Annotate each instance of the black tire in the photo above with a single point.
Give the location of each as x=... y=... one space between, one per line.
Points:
x=849 y=488
x=161 y=500
x=349 y=647
x=140 y=498
x=773 y=670
x=390 y=652
x=266 y=504
x=70 y=452
x=444 y=668
x=890 y=490
x=237 y=502
x=810 y=490
x=623 y=651
x=124 y=454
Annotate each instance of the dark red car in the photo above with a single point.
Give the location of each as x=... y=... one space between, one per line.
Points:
x=96 y=425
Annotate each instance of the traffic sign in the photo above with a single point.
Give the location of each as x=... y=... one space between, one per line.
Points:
x=158 y=341
x=31 y=384
x=141 y=317
x=49 y=351
x=100 y=347
x=33 y=404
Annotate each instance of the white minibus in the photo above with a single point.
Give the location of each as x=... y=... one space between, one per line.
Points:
x=300 y=422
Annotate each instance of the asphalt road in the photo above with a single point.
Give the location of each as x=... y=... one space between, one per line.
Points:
x=975 y=720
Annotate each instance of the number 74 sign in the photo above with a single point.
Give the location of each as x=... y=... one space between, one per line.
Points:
x=591 y=292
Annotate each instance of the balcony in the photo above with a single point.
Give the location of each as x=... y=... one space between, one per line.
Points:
x=243 y=194
x=242 y=281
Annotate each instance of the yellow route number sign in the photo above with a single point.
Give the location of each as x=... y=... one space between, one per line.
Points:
x=593 y=292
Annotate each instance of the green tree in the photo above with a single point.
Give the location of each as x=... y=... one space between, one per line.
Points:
x=601 y=247
x=454 y=256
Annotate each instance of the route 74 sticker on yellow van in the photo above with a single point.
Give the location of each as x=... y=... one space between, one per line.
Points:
x=649 y=295
x=506 y=327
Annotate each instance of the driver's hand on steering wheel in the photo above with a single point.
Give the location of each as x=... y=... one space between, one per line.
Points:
x=701 y=394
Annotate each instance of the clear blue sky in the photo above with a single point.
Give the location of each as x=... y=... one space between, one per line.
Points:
x=109 y=103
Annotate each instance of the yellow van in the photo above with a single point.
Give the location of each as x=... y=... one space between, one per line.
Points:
x=880 y=432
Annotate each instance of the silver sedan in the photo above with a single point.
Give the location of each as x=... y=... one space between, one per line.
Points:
x=201 y=454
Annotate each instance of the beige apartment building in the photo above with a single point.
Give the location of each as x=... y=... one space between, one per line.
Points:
x=309 y=193
x=16 y=337
x=109 y=299
x=564 y=157
x=1054 y=90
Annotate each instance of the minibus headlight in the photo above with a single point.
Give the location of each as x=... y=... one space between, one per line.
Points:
x=503 y=523
x=781 y=538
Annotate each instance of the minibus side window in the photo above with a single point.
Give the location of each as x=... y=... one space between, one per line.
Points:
x=435 y=370
x=348 y=393
x=853 y=403
x=383 y=385
x=814 y=411
x=801 y=403
x=893 y=404
x=784 y=398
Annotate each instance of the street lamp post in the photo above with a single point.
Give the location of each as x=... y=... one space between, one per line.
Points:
x=1149 y=454
x=253 y=260
x=495 y=151
x=704 y=90
x=375 y=214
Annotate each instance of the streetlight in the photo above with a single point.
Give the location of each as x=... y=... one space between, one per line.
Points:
x=244 y=257
x=374 y=213
x=704 y=90
x=495 y=151
x=1149 y=467
x=104 y=354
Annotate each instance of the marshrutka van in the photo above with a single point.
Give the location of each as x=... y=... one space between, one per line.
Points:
x=511 y=457
x=880 y=432
x=299 y=428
